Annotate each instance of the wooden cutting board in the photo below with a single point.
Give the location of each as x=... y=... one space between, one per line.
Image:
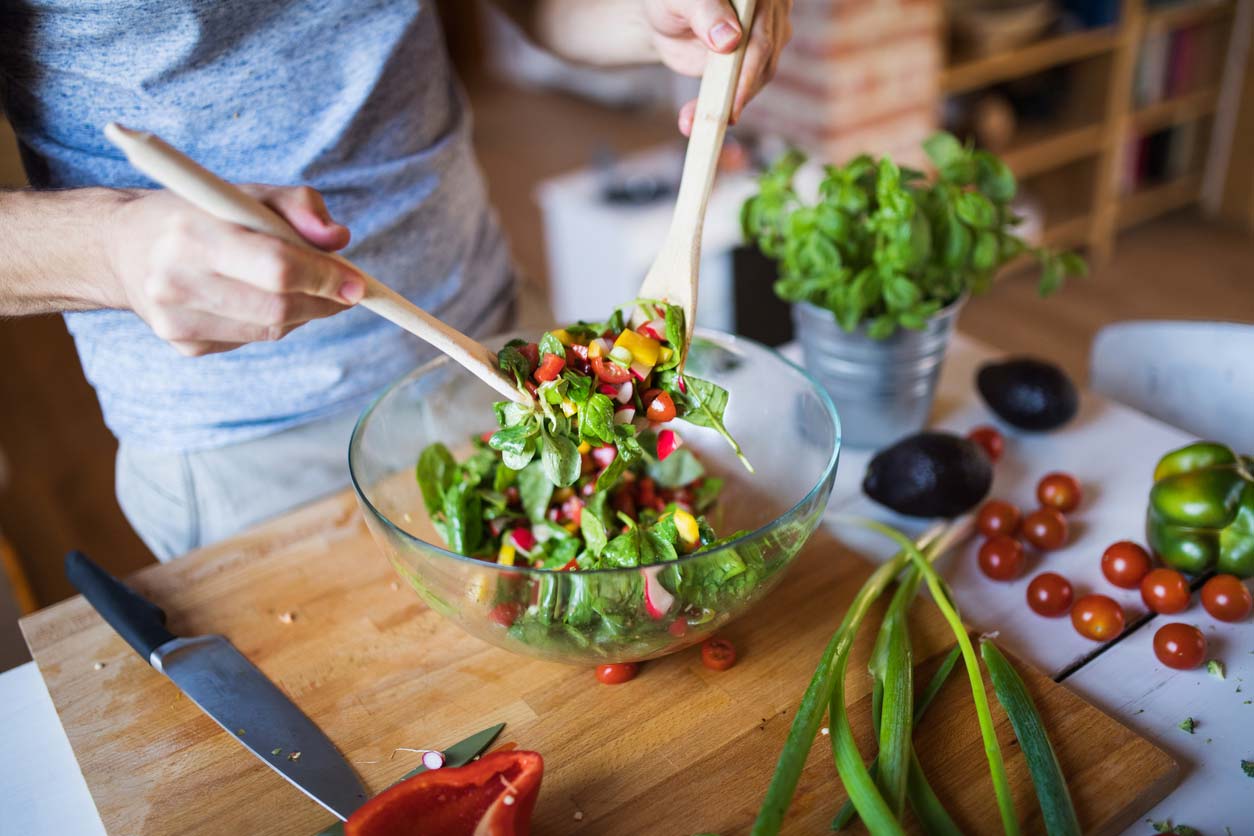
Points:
x=679 y=750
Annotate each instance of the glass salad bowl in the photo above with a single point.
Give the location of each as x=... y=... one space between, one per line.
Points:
x=785 y=423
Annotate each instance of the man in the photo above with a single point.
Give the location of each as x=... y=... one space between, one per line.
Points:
x=229 y=364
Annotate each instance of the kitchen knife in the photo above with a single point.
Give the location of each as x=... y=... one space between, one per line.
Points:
x=227 y=687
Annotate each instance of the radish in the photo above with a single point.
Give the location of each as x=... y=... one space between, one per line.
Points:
x=655 y=329
x=608 y=389
x=657 y=600
x=668 y=441
x=603 y=456
x=524 y=539
x=624 y=392
x=640 y=370
x=639 y=316
x=624 y=414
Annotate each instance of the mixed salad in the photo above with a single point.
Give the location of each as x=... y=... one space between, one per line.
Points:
x=594 y=475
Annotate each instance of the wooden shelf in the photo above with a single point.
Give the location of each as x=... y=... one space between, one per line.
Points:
x=1184 y=14
x=1068 y=232
x=1043 y=153
x=1153 y=201
x=1042 y=55
x=1174 y=111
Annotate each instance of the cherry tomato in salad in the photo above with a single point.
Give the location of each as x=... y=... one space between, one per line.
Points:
x=551 y=366
x=998 y=517
x=1165 y=591
x=718 y=654
x=1045 y=528
x=1001 y=558
x=1180 y=646
x=617 y=673
x=662 y=408
x=991 y=439
x=1125 y=564
x=1059 y=490
x=607 y=371
x=1050 y=594
x=577 y=358
x=678 y=628
x=1097 y=617
x=1226 y=598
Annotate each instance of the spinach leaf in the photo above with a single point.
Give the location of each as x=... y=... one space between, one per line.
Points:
x=609 y=477
x=705 y=404
x=675 y=336
x=436 y=471
x=511 y=361
x=517 y=460
x=463 y=518
x=592 y=524
x=706 y=494
x=678 y=469
x=578 y=386
x=550 y=344
x=514 y=438
x=504 y=477
x=596 y=420
x=560 y=458
x=535 y=490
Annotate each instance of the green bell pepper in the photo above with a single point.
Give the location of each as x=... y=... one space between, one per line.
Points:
x=1201 y=510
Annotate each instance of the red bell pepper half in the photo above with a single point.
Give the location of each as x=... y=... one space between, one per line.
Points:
x=493 y=796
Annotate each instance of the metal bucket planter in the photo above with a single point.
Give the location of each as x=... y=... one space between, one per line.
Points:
x=882 y=389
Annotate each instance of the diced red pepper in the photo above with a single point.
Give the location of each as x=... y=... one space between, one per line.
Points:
x=662 y=408
x=551 y=366
x=531 y=387
x=492 y=796
x=608 y=371
x=571 y=566
x=532 y=352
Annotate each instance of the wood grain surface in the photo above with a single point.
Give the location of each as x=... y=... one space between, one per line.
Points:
x=681 y=749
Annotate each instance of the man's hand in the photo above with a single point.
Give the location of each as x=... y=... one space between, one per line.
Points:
x=685 y=31
x=207 y=286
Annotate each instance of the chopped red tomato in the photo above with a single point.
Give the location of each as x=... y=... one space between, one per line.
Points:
x=505 y=614
x=577 y=358
x=551 y=366
x=492 y=796
x=532 y=352
x=609 y=372
x=662 y=408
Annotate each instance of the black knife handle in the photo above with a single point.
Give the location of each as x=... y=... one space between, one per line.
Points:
x=139 y=621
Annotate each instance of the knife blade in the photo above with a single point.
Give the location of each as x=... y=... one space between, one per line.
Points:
x=459 y=754
x=227 y=687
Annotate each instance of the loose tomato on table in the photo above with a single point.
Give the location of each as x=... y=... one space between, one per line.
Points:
x=718 y=654
x=1125 y=564
x=1050 y=594
x=493 y=796
x=1045 y=528
x=1001 y=558
x=1226 y=598
x=997 y=517
x=618 y=673
x=1180 y=646
x=990 y=439
x=1059 y=490
x=1097 y=617
x=1165 y=591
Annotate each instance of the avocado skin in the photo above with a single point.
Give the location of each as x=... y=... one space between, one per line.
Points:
x=929 y=474
x=1027 y=393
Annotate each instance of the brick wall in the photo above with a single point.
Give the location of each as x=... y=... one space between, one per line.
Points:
x=859 y=75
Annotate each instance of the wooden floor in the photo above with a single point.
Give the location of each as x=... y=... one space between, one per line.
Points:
x=59 y=493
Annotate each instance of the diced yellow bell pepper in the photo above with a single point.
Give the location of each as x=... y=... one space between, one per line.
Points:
x=505 y=556
x=568 y=407
x=571 y=526
x=585 y=447
x=664 y=353
x=686 y=525
x=642 y=348
x=478 y=589
x=563 y=336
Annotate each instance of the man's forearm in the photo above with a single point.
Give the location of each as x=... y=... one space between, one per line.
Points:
x=598 y=32
x=53 y=251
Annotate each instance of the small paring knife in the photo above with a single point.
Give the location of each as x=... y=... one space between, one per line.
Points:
x=239 y=697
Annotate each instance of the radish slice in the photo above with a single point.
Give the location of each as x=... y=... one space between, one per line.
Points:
x=524 y=539
x=608 y=389
x=623 y=393
x=639 y=316
x=657 y=601
x=668 y=441
x=432 y=759
x=640 y=370
x=624 y=414
x=604 y=455
x=654 y=328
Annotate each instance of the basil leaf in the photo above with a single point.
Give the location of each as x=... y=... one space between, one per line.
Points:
x=596 y=419
x=463 y=518
x=677 y=470
x=550 y=344
x=535 y=490
x=976 y=210
x=560 y=459
x=436 y=472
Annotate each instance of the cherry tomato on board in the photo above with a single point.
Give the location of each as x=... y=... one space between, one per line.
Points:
x=1059 y=490
x=1165 y=591
x=1050 y=594
x=991 y=439
x=1180 y=646
x=1125 y=563
x=718 y=654
x=1226 y=598
x=1001 y=558
x=1045 y=528
x=997 y=517
x=618 y=673
x=1097 y=617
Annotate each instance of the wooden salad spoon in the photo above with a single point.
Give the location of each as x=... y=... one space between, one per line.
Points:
x=206 y=191
x=673 y=276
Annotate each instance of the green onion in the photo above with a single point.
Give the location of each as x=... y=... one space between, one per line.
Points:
x=866 y=797
x=1051 y=786
x=897 y=709
x=992 y=750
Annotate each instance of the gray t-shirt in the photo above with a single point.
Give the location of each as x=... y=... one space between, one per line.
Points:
x=353 y=97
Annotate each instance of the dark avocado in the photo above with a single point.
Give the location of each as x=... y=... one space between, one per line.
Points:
x=1027 y=393
x=929 y=474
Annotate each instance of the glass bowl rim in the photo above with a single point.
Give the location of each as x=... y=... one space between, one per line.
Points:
x=711 y=334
